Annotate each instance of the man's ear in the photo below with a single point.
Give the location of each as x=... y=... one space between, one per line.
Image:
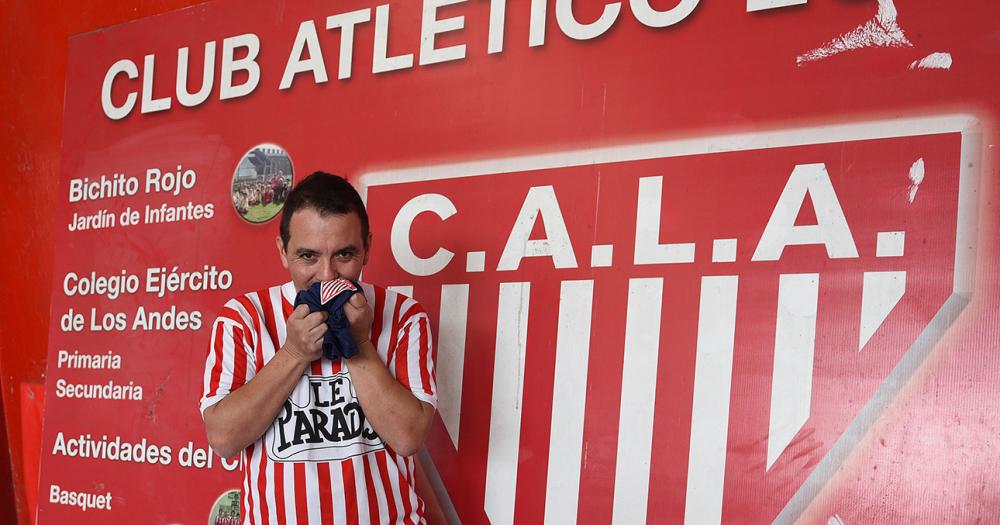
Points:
x=281 y=251
x=368 y=248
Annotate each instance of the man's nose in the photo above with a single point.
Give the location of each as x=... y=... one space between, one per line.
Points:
x=328 y=271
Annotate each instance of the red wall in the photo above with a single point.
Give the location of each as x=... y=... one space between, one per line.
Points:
x=33 y=56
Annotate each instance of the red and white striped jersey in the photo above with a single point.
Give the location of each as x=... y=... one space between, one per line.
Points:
x=320 y=461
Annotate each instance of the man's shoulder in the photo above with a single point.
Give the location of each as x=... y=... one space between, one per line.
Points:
x=398 y=301
x=252 y=305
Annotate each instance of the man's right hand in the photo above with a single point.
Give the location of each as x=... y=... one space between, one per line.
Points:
x=305 y=331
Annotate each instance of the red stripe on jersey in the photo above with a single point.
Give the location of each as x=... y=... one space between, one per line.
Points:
x=232 y=315
x=392 y=339
x=213 y=385
x=373 y=513
x=269 y=323
x=279 y=484
x=254 y=321
x=258 y=362
x=383 y=472
x=325 y=494
x=376 y=332
x=239 y=360
x=301 y=503
x=425 y=374
x=262 y=486
x=350 y=491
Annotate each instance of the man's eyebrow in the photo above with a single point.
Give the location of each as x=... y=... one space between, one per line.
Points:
x=304 y=251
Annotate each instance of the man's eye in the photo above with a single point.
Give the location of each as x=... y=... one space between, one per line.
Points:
x=345 y=256
x=308 y=257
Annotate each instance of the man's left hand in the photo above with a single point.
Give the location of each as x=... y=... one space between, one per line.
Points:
x=359 y=316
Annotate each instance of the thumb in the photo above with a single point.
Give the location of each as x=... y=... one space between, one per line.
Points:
x=358 y=300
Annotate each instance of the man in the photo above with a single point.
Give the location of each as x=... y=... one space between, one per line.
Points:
x=323 y=441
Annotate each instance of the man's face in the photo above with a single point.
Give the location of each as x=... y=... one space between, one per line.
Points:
x=323 y=247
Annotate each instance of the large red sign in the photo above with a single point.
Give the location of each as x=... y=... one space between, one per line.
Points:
x=685 y=261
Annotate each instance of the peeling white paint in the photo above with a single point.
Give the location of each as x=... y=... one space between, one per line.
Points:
x=916 y=177
x=880 y=31
x=933 y=61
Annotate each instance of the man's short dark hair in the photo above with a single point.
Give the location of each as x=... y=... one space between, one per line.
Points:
x=327 y=194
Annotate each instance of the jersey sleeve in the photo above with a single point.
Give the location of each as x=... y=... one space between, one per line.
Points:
x=413 y=362
x=230 y=362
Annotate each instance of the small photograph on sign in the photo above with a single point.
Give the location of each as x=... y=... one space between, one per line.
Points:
x=226 y=509
x=261 y=182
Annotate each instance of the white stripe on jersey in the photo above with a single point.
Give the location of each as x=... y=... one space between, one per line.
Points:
x=291 y=515
x=384 y=335
x=246 y=494
x=361 y=487
x=312 y=493
x=393 y=473
x=287 y=291
x=337 y=489
x=413 y=334
x=272 y=504
x=255 y=496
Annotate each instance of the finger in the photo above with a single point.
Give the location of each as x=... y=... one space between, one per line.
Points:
x=318 y=332
x=316 y=318
x=300 y=312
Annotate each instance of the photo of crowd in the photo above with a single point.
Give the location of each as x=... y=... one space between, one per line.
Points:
x=261 y=182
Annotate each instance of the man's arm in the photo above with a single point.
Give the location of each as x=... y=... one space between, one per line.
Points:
x=395 y=413
x=241 y=417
